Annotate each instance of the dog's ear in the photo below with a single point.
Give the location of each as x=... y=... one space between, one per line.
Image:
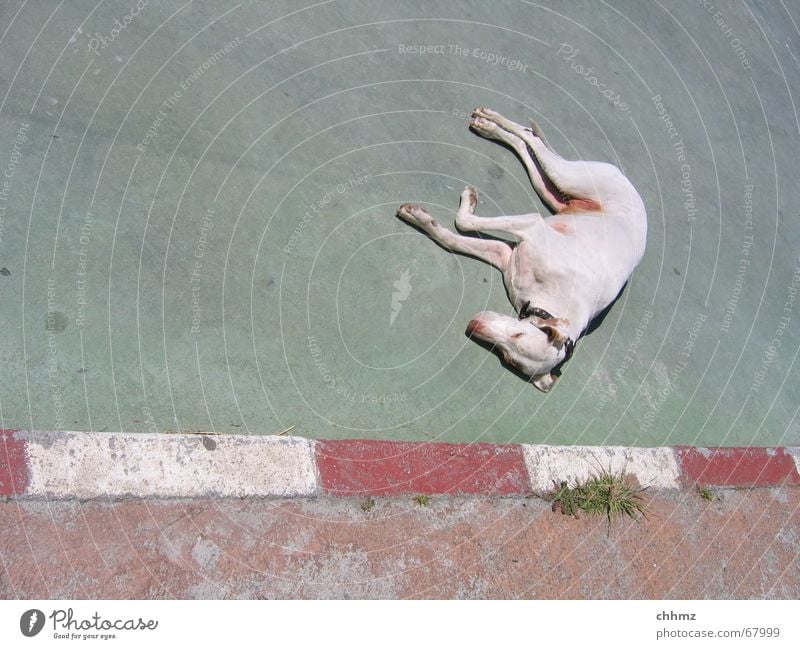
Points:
x=545 y=381
x=555 y=337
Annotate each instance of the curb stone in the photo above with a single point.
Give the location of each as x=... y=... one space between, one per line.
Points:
x=78 y=465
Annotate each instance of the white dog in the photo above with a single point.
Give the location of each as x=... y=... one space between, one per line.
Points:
x=564 y=269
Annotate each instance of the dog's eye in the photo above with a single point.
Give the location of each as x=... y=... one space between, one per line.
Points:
x=515 y=336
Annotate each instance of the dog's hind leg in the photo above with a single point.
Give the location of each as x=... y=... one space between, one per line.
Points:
x=547 y=191
x=512 y=127
x=496 y=253
x=582 y=184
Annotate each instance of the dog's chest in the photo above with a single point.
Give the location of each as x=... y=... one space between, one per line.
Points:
x=559 y=276
x=528 y=277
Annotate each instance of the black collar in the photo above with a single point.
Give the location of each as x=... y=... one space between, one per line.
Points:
x=527 y=310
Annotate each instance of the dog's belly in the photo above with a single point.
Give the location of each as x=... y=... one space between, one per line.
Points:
x=575 y=271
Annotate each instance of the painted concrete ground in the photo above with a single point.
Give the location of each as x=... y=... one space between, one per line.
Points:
x=197 y=225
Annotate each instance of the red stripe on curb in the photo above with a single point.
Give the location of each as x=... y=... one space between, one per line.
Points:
x=371 y=467
x=13 y=464
x=737 y=467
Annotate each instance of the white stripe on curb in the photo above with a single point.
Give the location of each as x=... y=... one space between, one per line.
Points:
x=794 y=451
x=655 y=467
x=100 y=465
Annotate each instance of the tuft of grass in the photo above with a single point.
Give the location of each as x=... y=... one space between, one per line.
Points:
x=367 y=504
x=422 y=500
x=606 y=493
x=705 y=493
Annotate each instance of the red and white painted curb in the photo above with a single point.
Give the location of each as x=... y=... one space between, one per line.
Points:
x=68 y=465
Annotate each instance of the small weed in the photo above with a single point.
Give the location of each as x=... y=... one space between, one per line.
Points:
x=606 y=493
x=367 y=504
x=422 y=500
x=705 y=493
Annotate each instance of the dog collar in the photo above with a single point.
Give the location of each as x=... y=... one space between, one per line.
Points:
x=527 y=311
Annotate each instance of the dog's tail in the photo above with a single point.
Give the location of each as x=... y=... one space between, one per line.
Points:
x=537 y=131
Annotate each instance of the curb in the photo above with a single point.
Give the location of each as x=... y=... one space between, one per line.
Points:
x=73 y=465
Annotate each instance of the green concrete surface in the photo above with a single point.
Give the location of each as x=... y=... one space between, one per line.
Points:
x=198 y=225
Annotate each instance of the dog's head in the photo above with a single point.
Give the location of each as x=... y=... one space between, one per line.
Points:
x=533 y=347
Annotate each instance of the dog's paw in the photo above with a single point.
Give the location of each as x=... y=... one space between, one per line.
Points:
x=483 y=126
x=486 y=113
x=415 y=215
x=470 y=197
x=545 y=382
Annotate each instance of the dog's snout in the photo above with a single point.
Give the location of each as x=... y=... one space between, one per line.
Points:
x=473 y=327
x=482 y=326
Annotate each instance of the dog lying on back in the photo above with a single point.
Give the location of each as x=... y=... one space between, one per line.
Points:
x=565 y=268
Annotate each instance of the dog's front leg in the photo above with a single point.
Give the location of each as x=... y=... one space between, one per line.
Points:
x=496 y=253
x=523 y=225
